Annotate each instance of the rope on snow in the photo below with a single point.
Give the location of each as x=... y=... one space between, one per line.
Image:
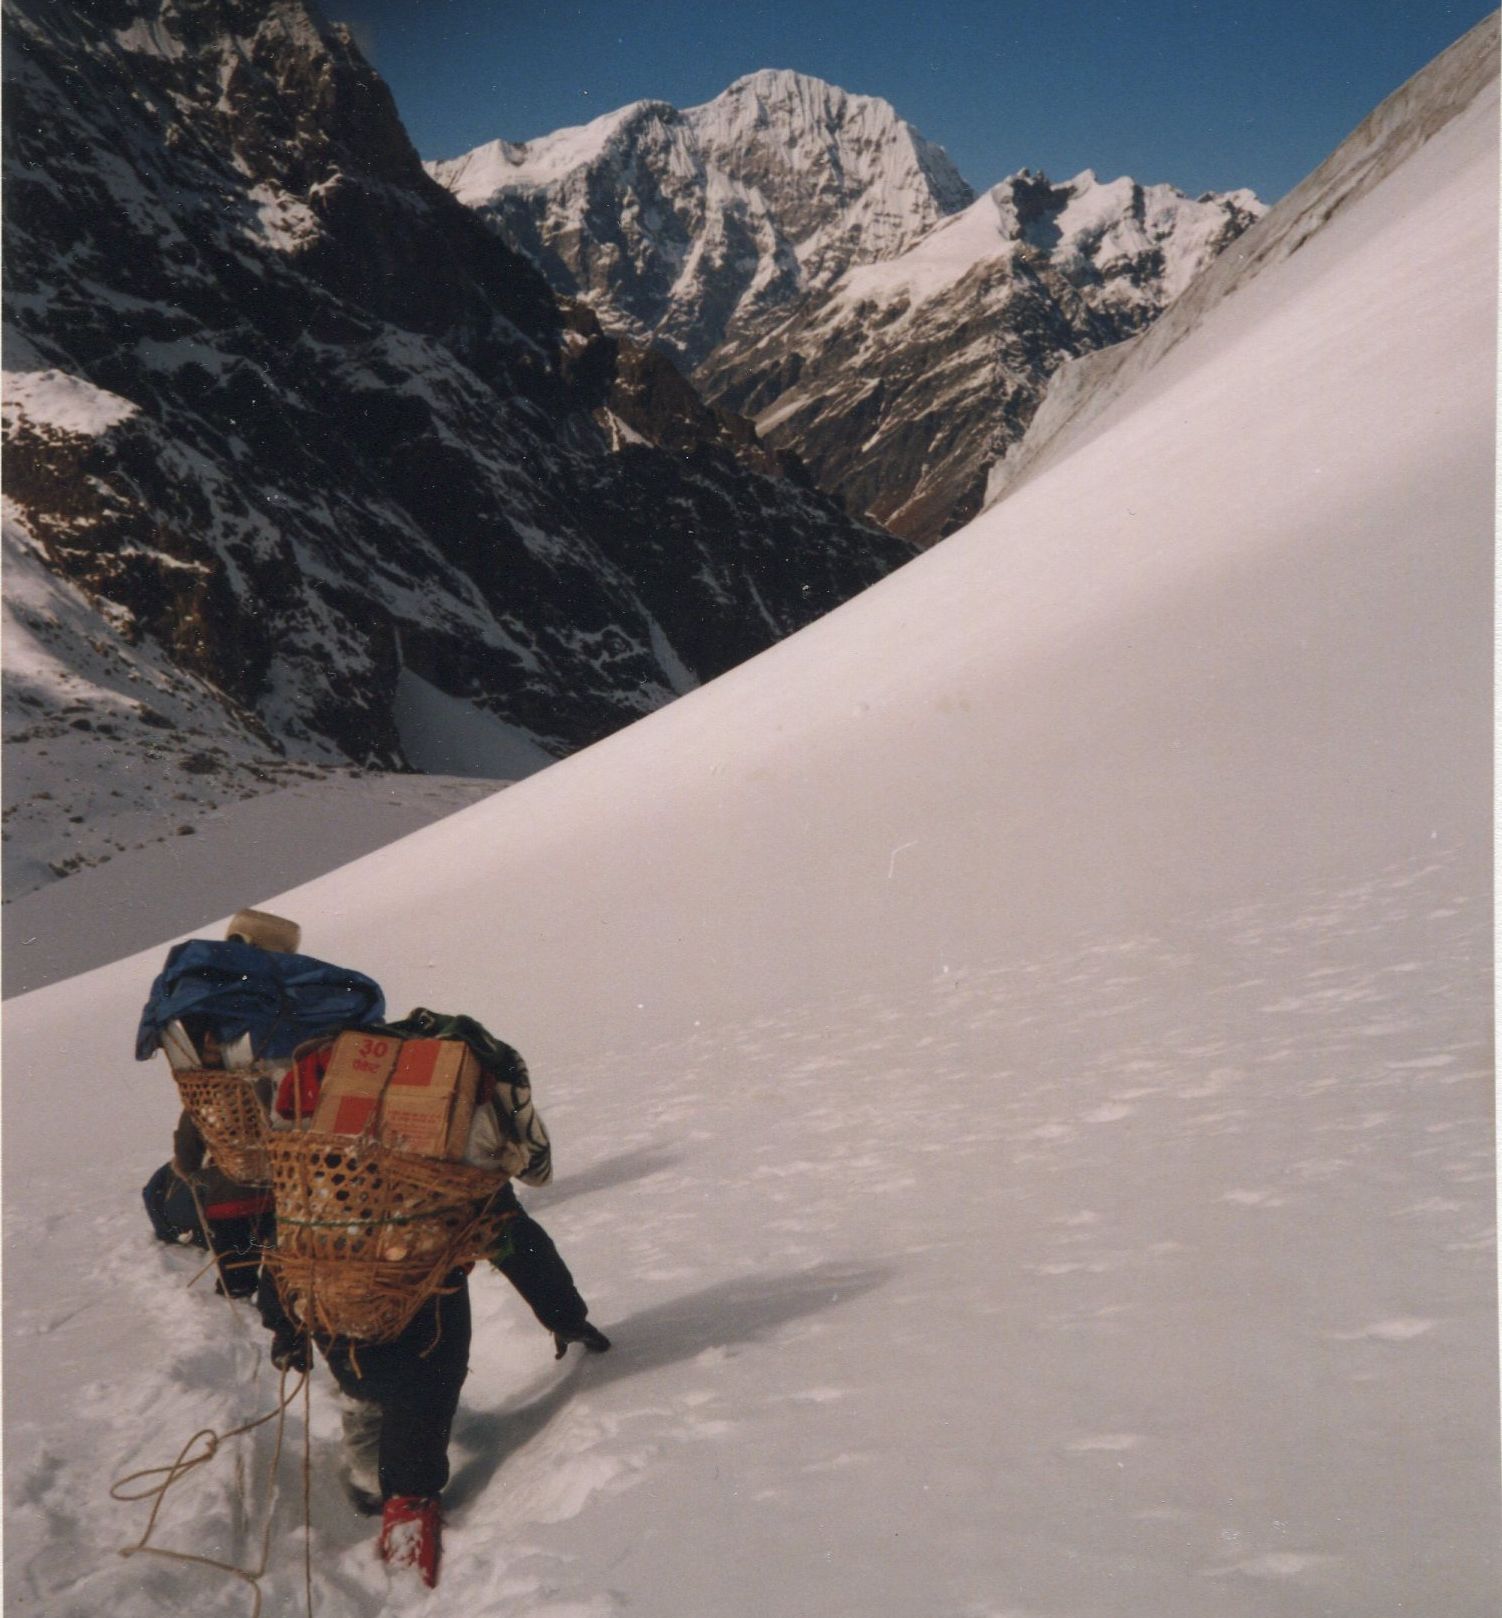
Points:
x=187 y=1462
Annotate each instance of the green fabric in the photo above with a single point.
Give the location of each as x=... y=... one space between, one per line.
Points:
x=494 y=1055
x=505 y=1247
x=530 y=1153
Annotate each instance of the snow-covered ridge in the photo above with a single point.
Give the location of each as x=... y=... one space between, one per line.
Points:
x=1090 y=231
x=52 y=399
x=902 y=382
x=479 y=174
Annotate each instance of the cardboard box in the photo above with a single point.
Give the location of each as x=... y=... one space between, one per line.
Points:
x=358 y=1069
x=416 y=1094
x=430 y=1098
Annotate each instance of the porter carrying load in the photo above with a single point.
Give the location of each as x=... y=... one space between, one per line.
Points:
x=376 y=1204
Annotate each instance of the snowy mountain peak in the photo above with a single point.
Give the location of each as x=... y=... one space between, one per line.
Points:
x=776 y=81
x=679 y=227
x=800 y=105
x=828 y=151
x=1121 y=229
x=785 y=86
x=746 y=236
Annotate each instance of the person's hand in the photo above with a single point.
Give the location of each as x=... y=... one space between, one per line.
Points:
x=591 y=1336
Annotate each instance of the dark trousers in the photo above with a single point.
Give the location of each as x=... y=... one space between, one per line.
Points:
x=237 y=1246
x=415 y=1379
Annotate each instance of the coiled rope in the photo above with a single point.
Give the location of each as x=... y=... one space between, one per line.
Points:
x=187 y=1462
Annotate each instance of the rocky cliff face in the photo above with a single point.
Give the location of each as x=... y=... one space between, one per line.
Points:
x=909 y=378
x=685 y=227
x=281 y=407
x=826 y=270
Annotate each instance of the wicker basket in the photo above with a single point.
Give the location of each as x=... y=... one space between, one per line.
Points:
x=231 y=1118
x=366 y=1234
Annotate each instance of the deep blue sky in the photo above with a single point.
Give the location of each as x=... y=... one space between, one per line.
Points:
x=1205 y=94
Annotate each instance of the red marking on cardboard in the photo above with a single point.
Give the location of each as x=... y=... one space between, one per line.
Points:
x=418 y=1064
x=354 y=1114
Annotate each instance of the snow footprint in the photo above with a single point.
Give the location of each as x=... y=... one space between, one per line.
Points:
x=1401 y=1330
x=1277 y=1565
x=1109 y=1443
x=1262 y=1198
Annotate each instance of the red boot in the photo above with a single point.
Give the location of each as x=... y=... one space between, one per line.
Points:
x=411 y=1531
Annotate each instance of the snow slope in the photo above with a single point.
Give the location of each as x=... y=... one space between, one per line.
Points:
x=1019 y=1054
x=108 y=745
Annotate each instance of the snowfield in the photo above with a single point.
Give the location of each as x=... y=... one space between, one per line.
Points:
x=1019 y=1056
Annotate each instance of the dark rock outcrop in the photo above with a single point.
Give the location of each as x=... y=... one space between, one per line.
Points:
x=280 y=404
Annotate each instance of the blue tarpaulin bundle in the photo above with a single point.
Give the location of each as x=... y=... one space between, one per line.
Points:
x=279 y=1000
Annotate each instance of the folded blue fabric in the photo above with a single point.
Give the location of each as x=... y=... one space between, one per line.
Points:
x=279 y=1000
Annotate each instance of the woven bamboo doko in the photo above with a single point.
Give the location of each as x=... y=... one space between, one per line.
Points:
x=366 y=1234
x=231 y=1118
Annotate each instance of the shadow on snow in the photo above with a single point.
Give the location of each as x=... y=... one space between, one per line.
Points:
x=739 y=1311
